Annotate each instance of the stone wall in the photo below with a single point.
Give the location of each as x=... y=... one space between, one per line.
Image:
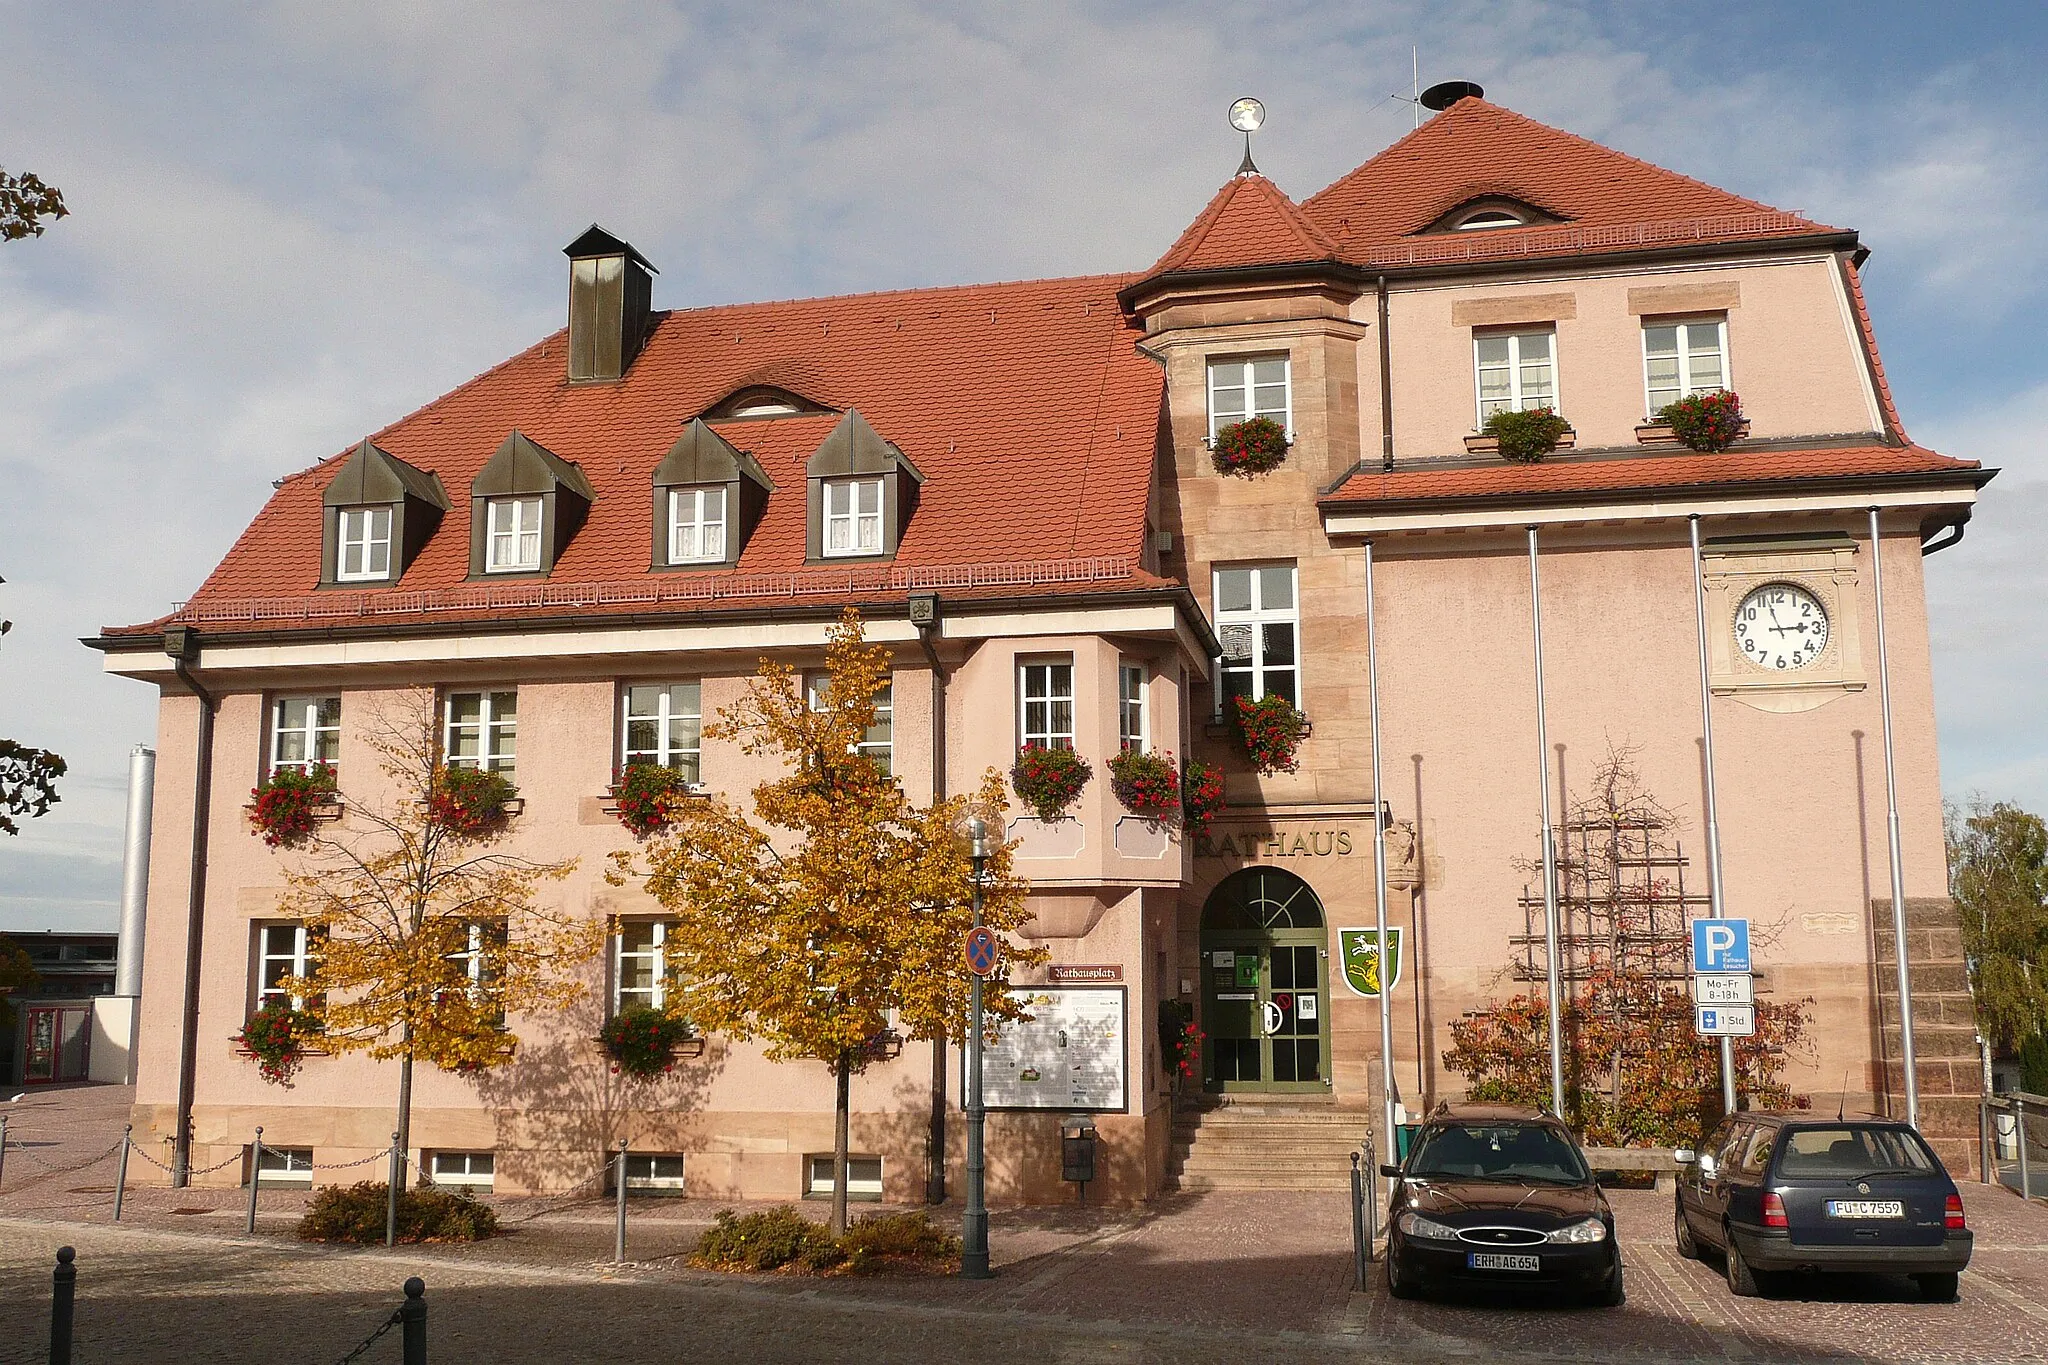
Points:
x=1946 y=1057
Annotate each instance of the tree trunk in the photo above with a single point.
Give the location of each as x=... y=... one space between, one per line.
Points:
x=935 y=1143
x=845 y=1087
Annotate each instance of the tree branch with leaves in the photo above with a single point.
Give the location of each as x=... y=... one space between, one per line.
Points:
x=25 y=200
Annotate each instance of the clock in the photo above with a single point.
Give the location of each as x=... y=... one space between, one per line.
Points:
x=1781 y=627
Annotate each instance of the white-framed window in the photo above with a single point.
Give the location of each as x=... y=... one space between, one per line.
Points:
x=853 y=517
x=477 y=1170
x=1255 y=386
x=640 y=964
x=653 y=1171
x=1132 y=723
x=286 y=1165
x=513 y=541
x=863 y=1177
x=878 y=743
x=665 y=726
x=696 y=525
x=483 y=730
x=1488 y=218
x=305 y=731
x=1258 y=621
x=280 y=953
x=1516 y=371
x=363 y=549
x=1045 y=702
x=1683 y=358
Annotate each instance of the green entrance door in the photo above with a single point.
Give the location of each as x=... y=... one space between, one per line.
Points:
x=1265 y=977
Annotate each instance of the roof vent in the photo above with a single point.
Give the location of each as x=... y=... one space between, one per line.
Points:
x=1444 y=94
x=611 y=291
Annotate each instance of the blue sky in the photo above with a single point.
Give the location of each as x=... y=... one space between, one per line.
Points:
x=294 y=222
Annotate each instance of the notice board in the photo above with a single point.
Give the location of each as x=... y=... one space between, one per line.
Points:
x=1069 y=1056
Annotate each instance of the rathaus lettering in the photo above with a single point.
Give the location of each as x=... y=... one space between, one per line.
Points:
x=1314 y=843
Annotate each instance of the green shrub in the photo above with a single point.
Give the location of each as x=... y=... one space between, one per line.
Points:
x=904 y=1236
x=1526 y=436
x=766 y=1241
x=355 y=1213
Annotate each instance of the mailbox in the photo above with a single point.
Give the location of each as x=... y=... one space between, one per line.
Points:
x=1077 y=1148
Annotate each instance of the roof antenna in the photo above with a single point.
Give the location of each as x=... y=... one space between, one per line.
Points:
x=1246 y=115
x=1842 y=1101
x=1414 y=95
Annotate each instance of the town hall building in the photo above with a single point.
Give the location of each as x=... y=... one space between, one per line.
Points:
x=584 y=553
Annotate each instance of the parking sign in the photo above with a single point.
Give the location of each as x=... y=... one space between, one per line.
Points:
x=1720 y=945
x=1724 y=1021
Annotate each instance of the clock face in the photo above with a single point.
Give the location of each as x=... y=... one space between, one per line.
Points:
x=1781 y=626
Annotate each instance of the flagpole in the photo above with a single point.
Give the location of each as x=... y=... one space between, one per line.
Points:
x=1891 y=801
x=1550 y=929
x=1379 y=865
x=1699 y=608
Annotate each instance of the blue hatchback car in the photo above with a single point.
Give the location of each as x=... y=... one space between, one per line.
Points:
x=1783 y=1192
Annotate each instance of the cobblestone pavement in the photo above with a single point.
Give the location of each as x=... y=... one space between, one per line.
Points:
x=1188 y=1279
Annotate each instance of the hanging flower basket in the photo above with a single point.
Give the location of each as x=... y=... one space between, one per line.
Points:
x=471 y=802
x=276 y=1037
x=288 y=803
x=1146 y=784
x=642 y=1042
x=1272 y=729
x=1527 y=435
x=1201 y=794
x=1256 y=445
x=1180 y=1042
x=1705 y=421
x=1049 y=780
x=645 y=794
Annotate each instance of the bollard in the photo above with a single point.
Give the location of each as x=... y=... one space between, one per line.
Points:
x=121 y=1175
x=1358 y=1222
x=3 y=1147
x=255 y=1178
x=619 y=1235
x=2019 y=1125
x=412 y=1322
x=1984 y=1138
x=391 y=1198
x=63 y=1283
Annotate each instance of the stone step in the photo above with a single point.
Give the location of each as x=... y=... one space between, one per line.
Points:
x=1192 y=1183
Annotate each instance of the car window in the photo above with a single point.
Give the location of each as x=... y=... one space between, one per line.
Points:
x=1756 y=1149
x=1497 y=1151
x=1731 y=1144
x=1852 y=1150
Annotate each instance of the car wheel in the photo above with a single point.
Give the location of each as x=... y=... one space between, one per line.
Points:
x=1681 y=1232
x=1741 y=1280
x=1397 y=1284
x=1938 y=1288
x=1612 y=1294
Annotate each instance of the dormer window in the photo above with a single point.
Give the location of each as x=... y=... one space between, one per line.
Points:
x=696 y=525
x=525 y=506
x=853 y=517
x=1491 y=211
x=862 y=493
x=514 y=535
x=1488 y=218
x=379 y=512
x=365 y=545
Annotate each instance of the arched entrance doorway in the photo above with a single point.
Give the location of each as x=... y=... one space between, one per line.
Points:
x=1265 y=998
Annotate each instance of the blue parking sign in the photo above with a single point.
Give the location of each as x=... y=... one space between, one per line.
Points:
x=1720 y=945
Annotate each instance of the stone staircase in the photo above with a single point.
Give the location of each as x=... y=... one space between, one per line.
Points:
x=1286 y=1143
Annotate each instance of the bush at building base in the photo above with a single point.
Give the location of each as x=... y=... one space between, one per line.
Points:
x=281 y=809
x=783 y=1239
x=1526 y=435
x=470 y=802
x=1257 y=445
x=1049 y=780
x=1146 y=784
x=1271 y=729
x=642 y=1041
x=644 y=794
x=1705 y=421
x=355 y=1213
x=275 y=1036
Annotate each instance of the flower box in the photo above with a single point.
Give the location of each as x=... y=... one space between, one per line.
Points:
x=1660 y=433
x=1476 y=444
x=514 y=806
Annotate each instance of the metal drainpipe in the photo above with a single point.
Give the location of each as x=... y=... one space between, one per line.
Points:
x=935 y=1174
x=1386 y=384
x=180 y=645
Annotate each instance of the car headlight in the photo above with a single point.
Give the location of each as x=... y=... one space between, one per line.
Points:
x=1415 y=1225
x=1578 y=1234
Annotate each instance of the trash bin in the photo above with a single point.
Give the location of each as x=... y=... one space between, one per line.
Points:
x=1077 y=1148
x=1404 y=1138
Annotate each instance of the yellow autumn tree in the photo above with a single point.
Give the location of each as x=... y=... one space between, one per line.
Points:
x=839 y=902
x=424 y=940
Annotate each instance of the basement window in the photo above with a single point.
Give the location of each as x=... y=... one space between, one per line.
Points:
x=475 y=1170
x=286 y=1165
x=651 y=1173
x=863 y=1178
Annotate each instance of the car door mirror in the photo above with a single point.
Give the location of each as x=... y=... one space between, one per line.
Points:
x=1706 y=1168
x=1684 y=1156
x=1390 y=1172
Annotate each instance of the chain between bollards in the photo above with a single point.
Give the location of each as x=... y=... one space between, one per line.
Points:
x=63 y=1286
x=619 y=1234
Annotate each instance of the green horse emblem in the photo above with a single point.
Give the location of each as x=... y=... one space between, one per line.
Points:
x=1361 y=950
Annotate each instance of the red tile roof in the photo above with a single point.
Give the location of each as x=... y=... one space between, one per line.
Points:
x=1026 y=406
x=1248 y=222
x=1454 y=481
x=1869 y=338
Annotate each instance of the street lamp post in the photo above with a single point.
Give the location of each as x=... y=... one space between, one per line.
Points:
x=974 y=1225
